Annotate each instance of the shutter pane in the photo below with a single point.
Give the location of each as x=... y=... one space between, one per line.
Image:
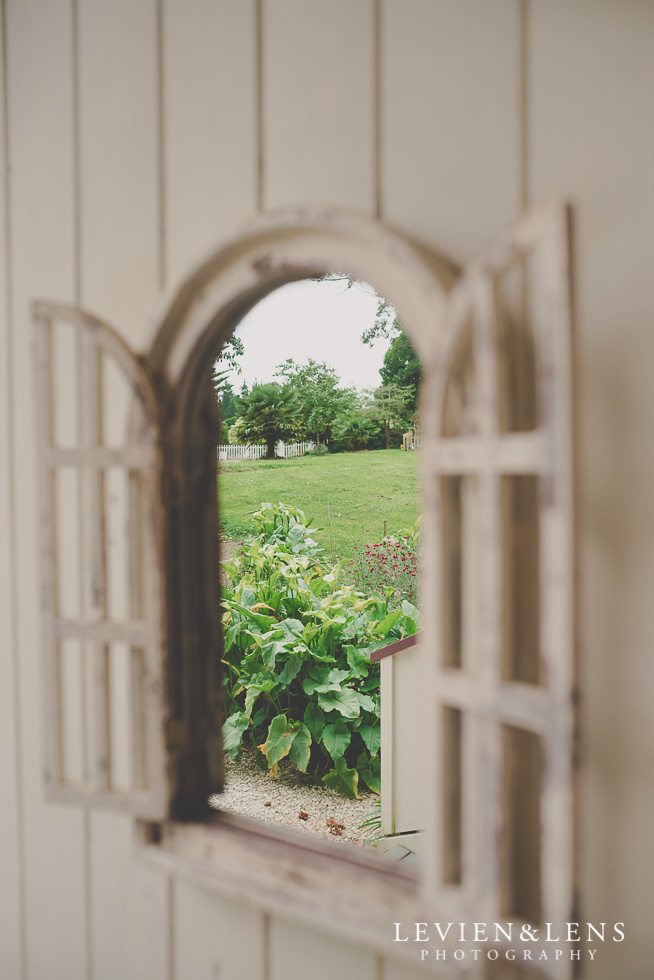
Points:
x=102 y=589
x=498 y=406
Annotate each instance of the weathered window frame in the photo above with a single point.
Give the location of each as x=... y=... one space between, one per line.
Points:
x=489 y=704
x=237 y=856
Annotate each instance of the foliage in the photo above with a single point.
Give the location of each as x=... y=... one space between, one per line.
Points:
x=386 y=323
x=357 y=430
x=299 y=682
x=390 y=407
x=372 y=826
x=402 y=367
x=227 y=411
x=321 y=400
x=268 y=413
x=226 y=362
x=364 y=490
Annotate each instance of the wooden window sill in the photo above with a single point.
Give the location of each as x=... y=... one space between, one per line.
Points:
x=333 y=887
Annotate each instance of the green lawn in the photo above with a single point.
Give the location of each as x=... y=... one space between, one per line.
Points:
x=363 y=490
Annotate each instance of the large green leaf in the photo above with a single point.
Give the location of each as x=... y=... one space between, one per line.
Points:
x=346 y=702
x=254 y=689
x=322 y=679
x=272 y=650
x=365 y=701
x=337 y=676
x=336 y=738
x=291 y=628
x=280 y=738
x=344 y=780
x=264 y=621
x=387 y=623
x=359 y=664
x=370 y=732
x=292 y=668
x=301 y=748
x=369 y=772
x=295 y=537
x=248 y=597
x=233 y=730
x=314 y=719
x=411 y=617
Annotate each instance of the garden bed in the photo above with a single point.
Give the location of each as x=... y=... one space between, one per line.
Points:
x=327 y=814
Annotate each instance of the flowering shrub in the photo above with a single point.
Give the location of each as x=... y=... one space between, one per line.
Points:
x=298 y=681
x=392 y=564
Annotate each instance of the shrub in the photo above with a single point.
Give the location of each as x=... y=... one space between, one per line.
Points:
x=299 y=682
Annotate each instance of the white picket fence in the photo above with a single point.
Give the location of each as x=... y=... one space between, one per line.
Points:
x=256 y=452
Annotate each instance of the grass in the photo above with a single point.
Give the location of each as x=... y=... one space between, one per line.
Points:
x=363 y=490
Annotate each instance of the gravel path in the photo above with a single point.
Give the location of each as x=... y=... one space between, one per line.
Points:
x=327 y=814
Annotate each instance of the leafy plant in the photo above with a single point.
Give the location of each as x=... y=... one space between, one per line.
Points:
x=299 y=682
x=391 y=564
x=372 y=826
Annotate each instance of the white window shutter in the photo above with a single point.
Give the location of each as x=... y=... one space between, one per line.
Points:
x=102 y=606
x=500 y=586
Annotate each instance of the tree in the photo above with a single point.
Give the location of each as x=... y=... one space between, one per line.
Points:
x=402 y=367
x=267 y=414
x=315 y=384
x=391 y=406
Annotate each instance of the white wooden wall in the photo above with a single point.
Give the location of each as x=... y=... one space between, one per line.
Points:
x=401 y=758
x=136 y=134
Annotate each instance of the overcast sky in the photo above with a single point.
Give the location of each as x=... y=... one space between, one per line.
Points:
x=322 y=320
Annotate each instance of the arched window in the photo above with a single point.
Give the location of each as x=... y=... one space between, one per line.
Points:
x=130 y=572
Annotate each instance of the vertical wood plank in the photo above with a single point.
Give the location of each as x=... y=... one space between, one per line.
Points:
x=388 y=722
x=591 y=139
x=41 y=145
x=210 y=131
x=410 y=762
x=450 y=128
x=318 y=103
x=215 y=939
x=119 y=161
x=293 y=952
x=120 y=239
x=11 y=845
x=134 y=945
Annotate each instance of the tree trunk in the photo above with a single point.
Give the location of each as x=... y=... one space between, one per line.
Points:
x=387 y=434
x=270 y=447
